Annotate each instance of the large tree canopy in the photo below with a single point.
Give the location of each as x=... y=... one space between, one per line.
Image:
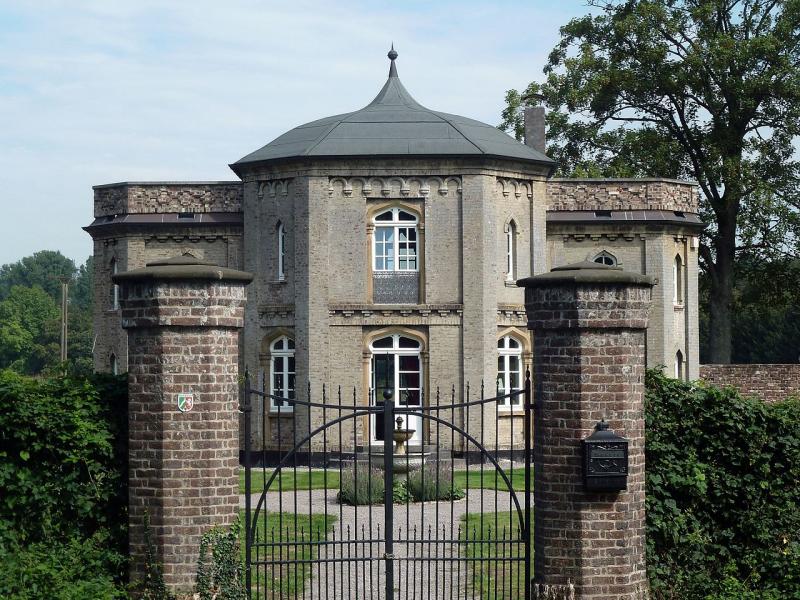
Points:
x=701 y=89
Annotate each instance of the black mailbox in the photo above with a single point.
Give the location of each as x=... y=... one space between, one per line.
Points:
x=605 y=460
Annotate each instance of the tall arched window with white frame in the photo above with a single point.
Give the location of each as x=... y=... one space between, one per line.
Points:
x=281 y=376
x=114 y=364
x=281 y=237
x=114 y=286
x=679 y=365
x=678 y=275
x=509 y=370
x=395 y=246
x=511 y=254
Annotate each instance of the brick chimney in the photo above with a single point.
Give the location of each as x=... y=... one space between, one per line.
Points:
x=534 y=128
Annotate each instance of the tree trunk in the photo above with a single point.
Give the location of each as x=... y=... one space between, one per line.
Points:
x=721 y=301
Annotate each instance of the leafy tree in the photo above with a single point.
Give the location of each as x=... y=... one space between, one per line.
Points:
x=29 y=341
x=43 y=268
x=700 y=89
x=29 y=330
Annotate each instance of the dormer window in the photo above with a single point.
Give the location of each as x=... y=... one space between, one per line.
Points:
x=605 y=258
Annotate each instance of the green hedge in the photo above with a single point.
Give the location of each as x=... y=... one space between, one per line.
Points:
x=63 y=481
x=723 y=493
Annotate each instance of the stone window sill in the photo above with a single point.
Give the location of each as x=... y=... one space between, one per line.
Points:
x=510 y=284
x=280 y=413
x=278 y=281
x=678 y=306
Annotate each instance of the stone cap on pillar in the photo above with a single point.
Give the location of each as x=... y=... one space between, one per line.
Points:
x=587 y=295
x=586 y=272
x=185 y=266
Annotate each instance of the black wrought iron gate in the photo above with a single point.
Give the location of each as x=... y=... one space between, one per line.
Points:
x=332 y=512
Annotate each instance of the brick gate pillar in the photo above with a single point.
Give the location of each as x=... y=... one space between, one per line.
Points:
x=588 y=323
x=183 y=319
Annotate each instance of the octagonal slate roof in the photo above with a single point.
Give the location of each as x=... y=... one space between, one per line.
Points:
x=394 y=124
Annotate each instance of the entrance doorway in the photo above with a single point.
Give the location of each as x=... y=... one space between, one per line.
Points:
x=396 y=365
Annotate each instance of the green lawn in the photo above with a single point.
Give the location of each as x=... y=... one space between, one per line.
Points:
x=494 y=535
x=490 y=479
x=315 y=480
x=285 y=580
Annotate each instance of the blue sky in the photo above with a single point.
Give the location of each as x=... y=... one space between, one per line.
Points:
x=101 y=91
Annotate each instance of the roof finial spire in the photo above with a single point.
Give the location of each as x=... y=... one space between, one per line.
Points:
x=392 y=56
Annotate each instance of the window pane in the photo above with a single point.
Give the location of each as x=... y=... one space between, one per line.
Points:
x=406 y=342
x=384 y=343
x=409 y=397
x=409 y=380
x=386 y=216
x=409 y=363
x=404 y=216
x=512 y=343
x=290 y=344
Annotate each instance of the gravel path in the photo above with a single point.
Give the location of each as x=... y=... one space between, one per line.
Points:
x=418 y=573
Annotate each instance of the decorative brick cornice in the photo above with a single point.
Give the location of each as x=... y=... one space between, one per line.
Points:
x=394 y=186
x=274 y=187
x=400 y=314
x=518 y=187
x=511 y=314
x=272 y=311
x=167 y=197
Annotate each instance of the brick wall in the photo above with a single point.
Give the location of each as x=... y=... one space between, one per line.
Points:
x=183 y=336
x=160 y=197
x=621 y=194
x=589 y=362
x=768 y=382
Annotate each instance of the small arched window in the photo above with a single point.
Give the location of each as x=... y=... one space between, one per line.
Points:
x=606 y=258
x=509 y=370
x=114 y=286
x=395 y=242
x=679 y=275
x=511 y=254
x=281 y=366
x=281 y=236
x=679 y=365
x=113 y=364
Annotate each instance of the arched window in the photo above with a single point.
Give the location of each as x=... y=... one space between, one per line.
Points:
x=114 y=287
x=509 y=369
x=395 y=241
x=113 y=364
x=606 y=258
x=281 y=235
x=678 y=274
x=396 y=365
x=511 y=253
x=281 y=368
x=679 y=365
